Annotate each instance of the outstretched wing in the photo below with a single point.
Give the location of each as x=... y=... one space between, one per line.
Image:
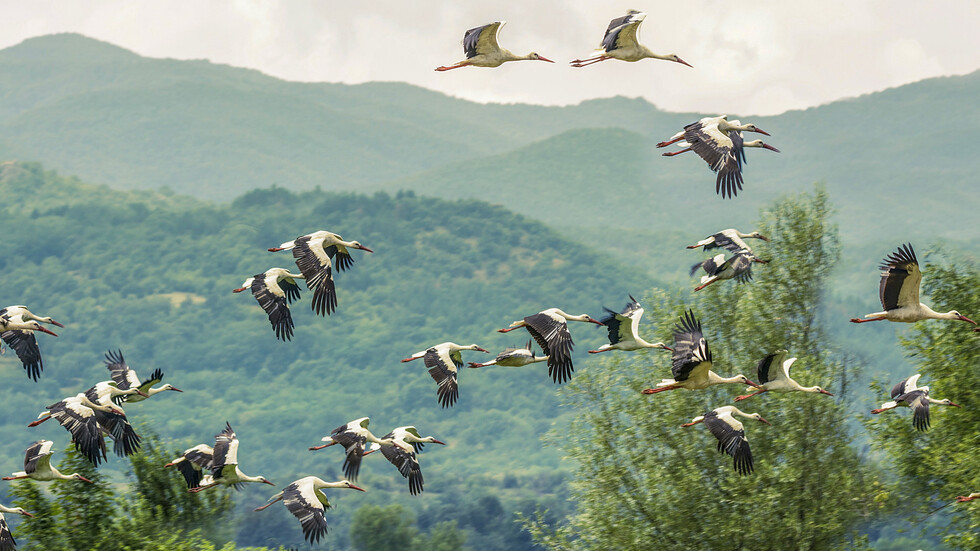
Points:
x=691 y=353
x=900 y=279
x=482 y=40
x=119 y=370
x=301 y=500
x=552 y=336
x=38 y=453
x=276 y=307
x=407 y=464
x=24 y=344
x=444 y=370
x=314 y=263
x=731 y=440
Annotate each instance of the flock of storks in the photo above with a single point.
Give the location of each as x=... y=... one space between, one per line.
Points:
x=91 y=415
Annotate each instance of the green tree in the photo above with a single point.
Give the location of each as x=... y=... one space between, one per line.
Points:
x=642 y=481
x=43 y=532
x=84 y=507
x=375 y=528
x=444 y=536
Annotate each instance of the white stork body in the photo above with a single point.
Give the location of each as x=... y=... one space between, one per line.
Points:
x=624 y=329
x=692 y=361
x=224 y=464
x=313 y=253
x=443 y=361
x=400 y=447
x=353 y=436
x=899 y=292
x=730 y=239
x=730 y=434
x=37 y=465
x=125 y=441
x=549 y=328
x=7 y=542
x=127 y=379
x=305 y=500
x=513 y=357
x=622 y=42
x=737 y=267
x=274 y=289
x=78 y=415
x=773 y=375
x=192 y=462
x=482 y=50
x=17 y=327
x=906 y=394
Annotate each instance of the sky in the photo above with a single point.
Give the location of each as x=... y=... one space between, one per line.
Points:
x=758 y=57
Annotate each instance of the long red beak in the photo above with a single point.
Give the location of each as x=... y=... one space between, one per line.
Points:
x=175 y=389
x=168 y=465
x=26 y=514
x=358 y=488
x=825 y=392
x=85 y=479
x=961 y=318
x=668 y=348
x=679 y=60
x=761 y=131
x=483 y=350
x=955 y=405
x=46 y=330
x=434 y=441
x=597 y=322
x=542 y=58
x=56 y=323
x=761 y=420
x=750 y=383
x=363 y=248
x=770 y=148
x=269 y=483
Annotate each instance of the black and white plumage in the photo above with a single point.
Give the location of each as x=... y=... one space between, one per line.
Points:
x=549 y=328
x=730 y=240
x=125 y=378
x=730 y=434
x=906 y=394
x=224 y=464
x=899 y=292
x=443 y=361
x=305 y=500
x=275 y=289
x=621 y=41
x=400 y=448
x=482 y=50
x=624 y=329
x=7 y=542
x=37 y=465
x=738 y=266
x=77 y=415
x=193 y=462
x=692 y=359
x=315 y=254
x=720 y=144
x=773 y=374
x=352 y=436
x=125 y=440
x=17 y=327
x=513 y=357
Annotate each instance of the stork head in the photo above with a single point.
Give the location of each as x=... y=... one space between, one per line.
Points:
x=675 y=59
x=348 y=484
x=169 y=386
x=820 y=391
x=536 y=56
x=952 y=313
x=20 y=511
x=753 y=128
x=759 y=418
x=51 y=321
x=357 y=245
x=758 y=235
x=263 y=480
x=478 y=348
x=760 y=144
x=77 y=476
x=948 y=402
x=433 y=440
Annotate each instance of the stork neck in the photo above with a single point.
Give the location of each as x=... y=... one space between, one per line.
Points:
x=714 y=378
x=645 y=344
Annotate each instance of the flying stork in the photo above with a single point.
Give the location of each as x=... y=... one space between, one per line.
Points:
x=405 y=443
x=274 y=289
x=125 y=441
x=352 y=437
x=621 y=41
x=549 y=328
x=906 y=394
x=899 y=292
x=17 y=326
x=720 y=144
x=692 y=361
x=313 y=253
x=224 y=464
x=773 y=371
x=737 y=267
x=7 y=542
x=306 y=502
x=37 y=465
x=126 y=379
x=513 y=357
x=730 y=434
x=730 y=239
x=77 y=415
x=482 y=50
x=624 y=328
x=192 y=462
x=443 y=361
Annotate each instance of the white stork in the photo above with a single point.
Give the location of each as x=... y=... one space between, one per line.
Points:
x=125 y=441
x=549 y=328
x=730 y=434
x=482 y=50
x=126 y=379
x=773 y=372
x=899 y=292
x=274 y=289
x=313 y=253
x=624 y=329
x=692 y=361
x=719 y=143
x=224 y=464
x=513 y=357
x=906 y=394
x=305 y=500
x=192 y=462
x=77 y=415
x=7 y=542
x=971 y=497
x=352 y=436
x=622 y=42
x=730 y=239
x=443 y=361
x=405 y=443
x=37 y=465
x=17 y=326
x=737 y=267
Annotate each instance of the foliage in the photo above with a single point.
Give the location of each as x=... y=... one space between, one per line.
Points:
x=641 y=480
x=376 y=528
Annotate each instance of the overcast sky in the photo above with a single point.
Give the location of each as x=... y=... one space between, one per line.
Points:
x=749 y=56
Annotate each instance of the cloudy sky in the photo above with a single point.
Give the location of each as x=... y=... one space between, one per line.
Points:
x=750 y=57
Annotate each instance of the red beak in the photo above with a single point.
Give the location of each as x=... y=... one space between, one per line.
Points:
x=961 y=318
x=358 y=488
x=761 y=420
x=825 y=392
x=750 y=383
x=763 y=132
x=85 y=479
x=56 y=323
x=542 y=58
x=175 y=389
x=363 y=248
x=483 y=350
x=597 y=322
x=269 y=483
x=679 y=60
x=434 y=441
x=955 y=405
x=26 y=514
x=770 y=148
x=46 y=330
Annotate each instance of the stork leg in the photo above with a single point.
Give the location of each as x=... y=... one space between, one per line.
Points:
x=15 y=477
x=274 y=499
x=692 y=423
x=675 y=140
x=202 y=488
x=600 y=351
x=587 y=62
x=859 y=320
x=508 y=329
x=457 y=66
x=39 y=421
x=661 y=389
x=327 y=445
x=672 y=153
x=747 y=396
x=699 y=287
x=411 y=359
x=879 y=410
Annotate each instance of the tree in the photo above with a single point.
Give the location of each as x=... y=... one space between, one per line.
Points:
x=43 y=532
x=84 y=507
x=642 y=482
x=374 y=528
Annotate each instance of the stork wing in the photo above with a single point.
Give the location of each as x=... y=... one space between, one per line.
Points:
x=85 y=432
x=24 y=344
x=622 y=31
x=731 y=440
x=275 y=307
x=918 y=400
x=770 y=368
x=7 y=542
x=125 y=441
x=906 y=386
x=444 y=371
x=38 y=454
x=482 y=40
x=195 y=460
x=691 y=356
x=314 y=263
x=742 y=266
x=900 y=279
x=225 y=450
x=119 y=370
x=407 y=464
x=718 y=150
x=555 y=341
x=302 y=501
x=340 y=256
x=732 y=242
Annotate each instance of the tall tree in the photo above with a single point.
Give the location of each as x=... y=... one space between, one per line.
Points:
x=43 y=532
x=84 y=507
x=642 y=481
